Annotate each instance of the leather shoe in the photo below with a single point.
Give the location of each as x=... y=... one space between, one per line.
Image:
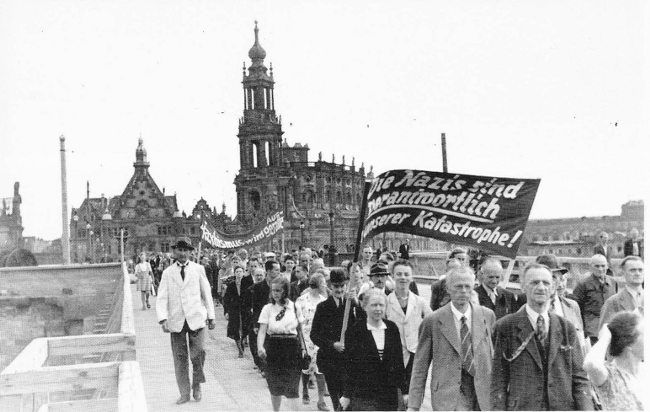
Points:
x=197 y=394
x=183 y=399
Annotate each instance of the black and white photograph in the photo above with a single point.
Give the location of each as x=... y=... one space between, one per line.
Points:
x=322 y=206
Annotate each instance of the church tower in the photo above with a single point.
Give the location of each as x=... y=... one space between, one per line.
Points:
x=260 y=137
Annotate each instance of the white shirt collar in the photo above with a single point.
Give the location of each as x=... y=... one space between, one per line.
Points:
x=375 y=328
x=458 y=314
x=489 y=291
x=532 y=317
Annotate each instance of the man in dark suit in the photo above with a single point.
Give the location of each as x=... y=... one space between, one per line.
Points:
x=326 y=334
x=634 y=245
x=259 y=298
x=458 y=336
x=630 y=297
x=537 y=363
x=405 y=249
x=490 y=294
x=300 y=284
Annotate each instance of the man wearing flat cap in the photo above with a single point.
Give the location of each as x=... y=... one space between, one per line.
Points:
x=184 y=304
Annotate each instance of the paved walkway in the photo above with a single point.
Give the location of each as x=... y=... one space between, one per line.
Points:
x=231 y=383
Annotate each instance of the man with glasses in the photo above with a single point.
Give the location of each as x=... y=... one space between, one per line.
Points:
x=183 y=306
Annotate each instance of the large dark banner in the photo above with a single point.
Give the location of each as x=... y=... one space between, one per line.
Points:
x=260 y=233
x=483 y=212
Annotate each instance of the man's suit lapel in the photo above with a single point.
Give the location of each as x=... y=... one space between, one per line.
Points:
x=448 y=327
x=556 y=336
x=525 y=330
x=411 y=305
x=177 y=276
x=628 y=301
x=479 y=327
x=394 y=305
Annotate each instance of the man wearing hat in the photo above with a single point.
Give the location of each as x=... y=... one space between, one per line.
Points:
x=183 y=305
x=378 y=276
x=326 y=333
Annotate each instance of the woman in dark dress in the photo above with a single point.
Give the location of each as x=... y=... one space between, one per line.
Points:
x=373 y=352
x=233 y=302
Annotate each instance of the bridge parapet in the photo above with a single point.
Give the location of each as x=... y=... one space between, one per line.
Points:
x=93 y=371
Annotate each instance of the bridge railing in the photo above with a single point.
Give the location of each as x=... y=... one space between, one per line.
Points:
x=429 y=266
x=81 y=373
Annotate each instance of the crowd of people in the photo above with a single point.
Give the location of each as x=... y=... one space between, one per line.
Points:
x=363 y=336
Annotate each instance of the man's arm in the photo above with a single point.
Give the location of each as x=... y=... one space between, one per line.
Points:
x=580 y=382
x=162 y=300
x=318 y=332
x=421 y=362
x=206 y=294
x=500 y=371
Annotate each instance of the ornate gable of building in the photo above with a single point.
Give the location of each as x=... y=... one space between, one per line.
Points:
x=142 y=198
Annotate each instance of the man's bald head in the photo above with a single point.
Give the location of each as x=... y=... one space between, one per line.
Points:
x=598 y=265
x=491 y=272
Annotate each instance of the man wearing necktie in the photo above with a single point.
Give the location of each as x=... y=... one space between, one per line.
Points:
x=537 y=362
x=183 y=306
x=457 y=338
x=490 y=294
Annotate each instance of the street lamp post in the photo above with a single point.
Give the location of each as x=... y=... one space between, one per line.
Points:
x=75 y=219
x=302 y=234
x=331 y=248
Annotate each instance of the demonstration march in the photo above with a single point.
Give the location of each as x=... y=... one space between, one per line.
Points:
x=365 y=338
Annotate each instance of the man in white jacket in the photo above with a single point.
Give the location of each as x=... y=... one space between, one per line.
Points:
x=183 y=305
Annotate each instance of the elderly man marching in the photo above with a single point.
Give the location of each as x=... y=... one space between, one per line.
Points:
x=184 y=304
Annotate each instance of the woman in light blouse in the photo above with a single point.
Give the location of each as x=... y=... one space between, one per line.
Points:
x=278 y=345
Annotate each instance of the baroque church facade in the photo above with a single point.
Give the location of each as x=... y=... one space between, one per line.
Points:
x=321 y=200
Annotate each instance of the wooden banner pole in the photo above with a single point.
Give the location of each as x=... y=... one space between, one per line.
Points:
x=357 y=248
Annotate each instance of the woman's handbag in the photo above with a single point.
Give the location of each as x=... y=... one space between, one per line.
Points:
x=305 y=360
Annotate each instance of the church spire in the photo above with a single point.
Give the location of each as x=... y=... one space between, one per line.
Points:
x=141 y=156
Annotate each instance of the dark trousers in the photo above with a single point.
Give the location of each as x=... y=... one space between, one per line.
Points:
x=252 y=344
x=334 y=380
x=196 y=356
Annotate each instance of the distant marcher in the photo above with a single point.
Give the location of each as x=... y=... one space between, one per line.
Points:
x=278 y=344
x=183 y=306
x=287 y=268
x=618 y=381
x=405 y=249
x=374 y=370
x=457 y=338
x=499 y=300
x=602 y=248
x=234 y=309
x=300 y=284
x=306 y=306
x=144 y=274
x=633 y=246
x=630 y=297
x=591 y=293
x=439 y=294
x=260 y=296
x=537 y=362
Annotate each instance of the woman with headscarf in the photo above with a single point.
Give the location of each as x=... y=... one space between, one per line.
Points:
x=306 y=308
x=618 y=381
x=278 y=344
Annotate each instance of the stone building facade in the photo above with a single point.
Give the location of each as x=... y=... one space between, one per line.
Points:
x=577 y=237
x=11 y=222
x=149 y=218
x=320 y=199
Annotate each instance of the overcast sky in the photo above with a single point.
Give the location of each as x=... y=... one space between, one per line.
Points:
x=552 y=90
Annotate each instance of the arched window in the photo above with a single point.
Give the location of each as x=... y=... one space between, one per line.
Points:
x=255 y=199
